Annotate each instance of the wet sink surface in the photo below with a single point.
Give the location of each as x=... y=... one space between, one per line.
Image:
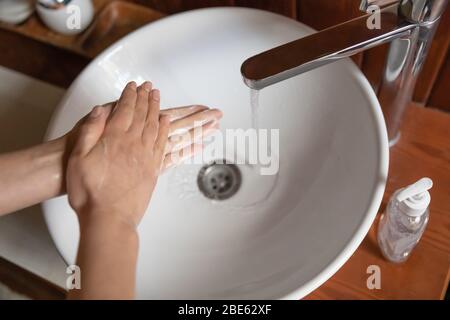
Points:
x=333 y=161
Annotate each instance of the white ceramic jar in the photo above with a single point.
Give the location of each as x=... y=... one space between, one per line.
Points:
x=15 y=11
x=66 y=16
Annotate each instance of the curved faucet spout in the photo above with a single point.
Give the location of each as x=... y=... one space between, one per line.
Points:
x=321 y=48
x=409 y=26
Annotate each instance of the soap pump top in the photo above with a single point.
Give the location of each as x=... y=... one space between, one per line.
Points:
x=415 y=199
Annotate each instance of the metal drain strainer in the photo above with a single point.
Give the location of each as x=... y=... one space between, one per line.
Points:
x=219 y=181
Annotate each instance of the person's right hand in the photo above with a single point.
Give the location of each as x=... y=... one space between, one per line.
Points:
x=117 y=158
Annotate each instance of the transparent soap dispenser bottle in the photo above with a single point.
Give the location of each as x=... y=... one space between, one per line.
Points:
x=404 y=221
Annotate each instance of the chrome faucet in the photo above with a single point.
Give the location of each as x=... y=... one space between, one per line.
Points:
x=409 y=26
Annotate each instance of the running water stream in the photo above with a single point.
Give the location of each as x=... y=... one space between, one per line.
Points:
x=254 y=105
x=256 y=188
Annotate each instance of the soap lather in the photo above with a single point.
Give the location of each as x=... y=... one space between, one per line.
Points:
x=405 y=220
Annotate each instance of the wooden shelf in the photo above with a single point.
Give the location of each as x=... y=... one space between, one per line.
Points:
x=28 y=284
x=34 y=28
x=112 y=20
x=36 y=51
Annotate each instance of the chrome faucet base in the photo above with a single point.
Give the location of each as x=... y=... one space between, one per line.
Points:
x=396 y=139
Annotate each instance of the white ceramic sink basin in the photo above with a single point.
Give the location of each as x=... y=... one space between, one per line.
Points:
x=333 y=161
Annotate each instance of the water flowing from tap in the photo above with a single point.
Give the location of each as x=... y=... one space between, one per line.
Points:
x=254 y=104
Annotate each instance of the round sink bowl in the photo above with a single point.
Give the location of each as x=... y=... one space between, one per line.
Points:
x=333 y=161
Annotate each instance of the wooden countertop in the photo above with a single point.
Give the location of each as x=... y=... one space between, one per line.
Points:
x=423 y=150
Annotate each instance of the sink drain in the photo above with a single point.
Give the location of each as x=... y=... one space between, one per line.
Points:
x=219 y=181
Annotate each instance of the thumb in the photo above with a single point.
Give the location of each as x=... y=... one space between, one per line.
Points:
x=90 y=131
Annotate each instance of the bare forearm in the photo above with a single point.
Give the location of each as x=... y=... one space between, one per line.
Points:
x=32 y=175
x=107 y=257
x=36 y=174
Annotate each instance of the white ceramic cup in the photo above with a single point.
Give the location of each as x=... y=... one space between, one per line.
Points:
x=15 y=11
x=71 y=18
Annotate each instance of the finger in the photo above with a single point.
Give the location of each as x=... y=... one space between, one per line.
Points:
x=161 y=140
x=194 y=120
x=195 y=135
x=175 y=158
x=108 y=108
x=173 y=113
x=152 y=122
x=181 y=112
x=141 y=110
x=90 y=131
x=122 y=115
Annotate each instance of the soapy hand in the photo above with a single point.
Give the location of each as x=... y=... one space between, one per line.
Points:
x=184 y=137
x=117 y=158
x=116 y=154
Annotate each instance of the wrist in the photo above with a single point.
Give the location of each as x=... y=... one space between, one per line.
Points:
x=92 y=218
x=48 y=159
